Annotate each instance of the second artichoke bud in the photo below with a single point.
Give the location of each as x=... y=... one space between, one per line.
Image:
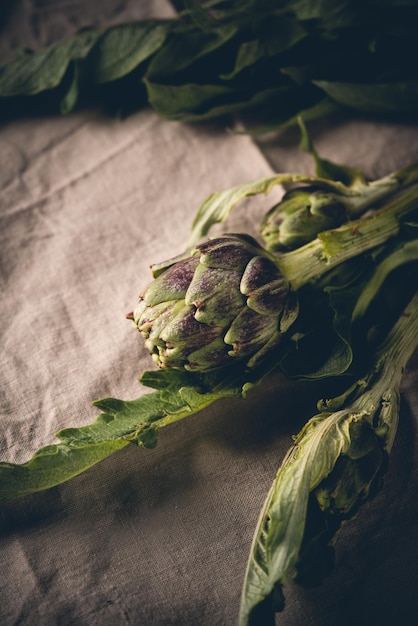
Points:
x=226 y=300
x=300 y=216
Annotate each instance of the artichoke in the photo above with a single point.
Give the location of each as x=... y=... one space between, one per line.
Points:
x=224 y=301
x=300 y=216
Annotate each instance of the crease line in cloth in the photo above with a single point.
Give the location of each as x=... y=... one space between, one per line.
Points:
x=42 y=576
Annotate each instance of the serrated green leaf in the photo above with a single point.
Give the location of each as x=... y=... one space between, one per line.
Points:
x=119 y=419
x=121 y=422
x=83 y=447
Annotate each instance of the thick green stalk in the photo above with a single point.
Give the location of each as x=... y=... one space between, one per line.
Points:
x=394 y=354
x=335 y=246
x=407 y=175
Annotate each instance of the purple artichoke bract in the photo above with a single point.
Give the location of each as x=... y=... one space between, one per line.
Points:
x=223 y=301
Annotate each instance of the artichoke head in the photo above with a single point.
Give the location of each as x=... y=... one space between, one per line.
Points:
x=223 y=301
x=300 y=216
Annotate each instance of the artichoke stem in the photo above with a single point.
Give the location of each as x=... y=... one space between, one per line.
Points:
x=335 y=246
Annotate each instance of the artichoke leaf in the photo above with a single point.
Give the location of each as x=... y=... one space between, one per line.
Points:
x=336 y=463
x=121 y=422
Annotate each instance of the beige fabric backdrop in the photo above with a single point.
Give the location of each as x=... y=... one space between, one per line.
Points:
x=157 y=537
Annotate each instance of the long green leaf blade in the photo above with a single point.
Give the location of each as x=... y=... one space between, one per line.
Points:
x=51 y=466
x=278 y=36
x=279 y=534
x=326 y=464
x=122 y=49
x=40 y=71
x=121 y=422
x=376 y=98
x=185 y=47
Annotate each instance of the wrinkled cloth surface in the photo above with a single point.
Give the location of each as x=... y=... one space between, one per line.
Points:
x=159 y=537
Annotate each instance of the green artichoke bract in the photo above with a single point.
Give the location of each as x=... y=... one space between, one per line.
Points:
x=339 y=194
x=300 y=216
x=225 y=300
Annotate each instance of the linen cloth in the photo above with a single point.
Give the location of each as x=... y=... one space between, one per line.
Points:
x=161 y=537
